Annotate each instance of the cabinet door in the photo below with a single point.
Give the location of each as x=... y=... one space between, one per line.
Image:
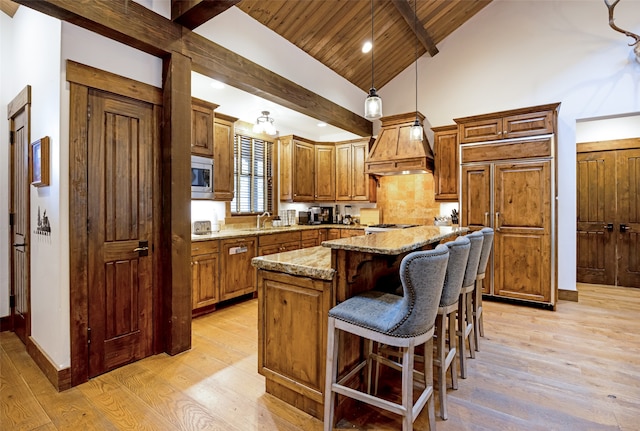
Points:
x=286 y=169
x=325 y=173
x=204 y=271
x=360 y=182
x=303 y=175
x=202 y=130
x=476 y=196
x=480 y=130
x=333 y=233
x=522 y=223
x=343 y=172
x=445 y=148
x=530 y=124
x=239 y=276
x=223 y=160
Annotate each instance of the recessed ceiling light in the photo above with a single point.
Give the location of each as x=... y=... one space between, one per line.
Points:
x=367 y=47
x=322 y=124
x=217 y=84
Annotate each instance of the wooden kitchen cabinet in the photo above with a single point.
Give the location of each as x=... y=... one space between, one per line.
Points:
x=202 y=118
x=297 y=166
x=278 y=242
x=510 y=185
x=333 y=233
x=223 y=136
x=205 y=258
x=311 y=238
x=445 y=148
x=238 y=277
x=518 y=123
x=324 y=173
x=352 y=184
x=347 y=233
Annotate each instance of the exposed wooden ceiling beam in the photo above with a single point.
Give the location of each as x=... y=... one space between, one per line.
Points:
x=9 y=7
x=134 y=25
x=194 y=13
x=409 y=16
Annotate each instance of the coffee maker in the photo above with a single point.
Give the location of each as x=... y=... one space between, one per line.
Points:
x=321 y=215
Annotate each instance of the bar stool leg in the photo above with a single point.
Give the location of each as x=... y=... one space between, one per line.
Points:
x=331 y=377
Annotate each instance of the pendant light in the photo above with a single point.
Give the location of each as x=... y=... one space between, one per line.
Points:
x=264 y=124
x=373 y=102
x=415 y=132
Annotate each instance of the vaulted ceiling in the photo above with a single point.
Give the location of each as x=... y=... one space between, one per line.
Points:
x=333 y=31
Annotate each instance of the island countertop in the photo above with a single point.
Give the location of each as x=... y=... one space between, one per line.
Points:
x=396 y=241
x=314 y=262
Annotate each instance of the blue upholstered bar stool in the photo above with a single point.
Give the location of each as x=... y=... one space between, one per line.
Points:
x=478 y=328
x=401 y=321
x=465 y=306
x=445 y=332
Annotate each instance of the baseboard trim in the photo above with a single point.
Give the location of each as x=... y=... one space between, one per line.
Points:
x=568 y=295
x=59 y=378
x=6 y=323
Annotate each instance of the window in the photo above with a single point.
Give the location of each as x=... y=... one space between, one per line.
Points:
x=252 y=176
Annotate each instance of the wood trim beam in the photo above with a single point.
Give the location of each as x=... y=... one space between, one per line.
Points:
x=407 y=13
x=141 y=28
x=194 y=13
x=617 y=144
x=9 y=7
x=21 y=100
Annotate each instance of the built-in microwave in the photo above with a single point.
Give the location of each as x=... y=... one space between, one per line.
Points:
x=201 y=178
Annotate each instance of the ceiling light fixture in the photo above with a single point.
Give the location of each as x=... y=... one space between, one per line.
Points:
x=366 y=47
x=416 y=130
x=373 y=102
x=264 y=124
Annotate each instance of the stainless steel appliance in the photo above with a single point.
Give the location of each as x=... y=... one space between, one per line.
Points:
x=385 y=227
x=201 y=178
x=321 y=215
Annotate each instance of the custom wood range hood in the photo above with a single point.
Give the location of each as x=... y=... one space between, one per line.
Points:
x=394 y=153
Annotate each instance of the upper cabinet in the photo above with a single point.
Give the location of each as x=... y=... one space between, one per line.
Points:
x=325 y=172
x=212 y=136
x=223 y=135
x=352 y=184
x=517 y=123
x=202 y=117
x=445 y=172
x=307 y=170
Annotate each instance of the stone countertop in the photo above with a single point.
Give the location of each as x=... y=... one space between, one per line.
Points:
x=238 y=233
x=397 y=241
x=314 y=262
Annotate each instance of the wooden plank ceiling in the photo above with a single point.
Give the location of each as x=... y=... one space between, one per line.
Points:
x=333 y=31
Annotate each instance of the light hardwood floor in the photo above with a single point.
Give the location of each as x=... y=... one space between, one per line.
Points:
x=574 y=369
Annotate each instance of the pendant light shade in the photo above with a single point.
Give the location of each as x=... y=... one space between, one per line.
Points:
x=416 y=130
x=373 y=102
x=264 y=124
x=372 y=105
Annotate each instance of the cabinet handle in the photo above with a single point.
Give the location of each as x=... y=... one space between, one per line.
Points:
x=497 y=220
x=486 y=219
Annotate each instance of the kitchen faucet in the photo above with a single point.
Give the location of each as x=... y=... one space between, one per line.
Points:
x=266 y=213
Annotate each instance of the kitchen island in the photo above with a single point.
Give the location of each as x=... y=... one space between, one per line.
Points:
x=296 y=289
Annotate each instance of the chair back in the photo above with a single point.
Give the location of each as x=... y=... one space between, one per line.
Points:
x=487 y=234
x=458 y=256
x=476 y=239
x=422 y=275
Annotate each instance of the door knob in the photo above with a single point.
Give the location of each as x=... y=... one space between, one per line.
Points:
x=624 y=227
x=142 y=248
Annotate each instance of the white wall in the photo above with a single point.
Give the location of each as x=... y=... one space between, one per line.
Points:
x=32 y=57
x=522 y=53
x=6 y=39
x=606 y=129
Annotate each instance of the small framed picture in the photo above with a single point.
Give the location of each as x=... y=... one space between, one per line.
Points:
x=40 y=162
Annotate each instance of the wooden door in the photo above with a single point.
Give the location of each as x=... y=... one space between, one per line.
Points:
x=238 y=277
x=202 y=116
x=286 y=169
x=303 y=175
x=445 y=148
x=522 y=224
x=476 y=196
x=596 y=217
x=325 y=177
x=120 y=226
x=343 y=172
x=223 y=188
x=19 y=235
x=628 y=217
x=360 y=180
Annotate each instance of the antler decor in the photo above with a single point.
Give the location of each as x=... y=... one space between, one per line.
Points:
x=611 y=7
